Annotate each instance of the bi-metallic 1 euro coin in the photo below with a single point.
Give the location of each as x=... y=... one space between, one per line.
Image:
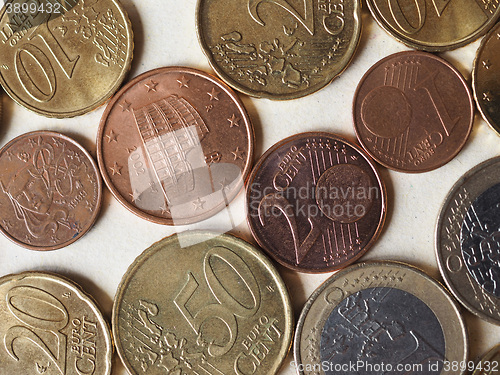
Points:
x=380 y=318
x=468 y=240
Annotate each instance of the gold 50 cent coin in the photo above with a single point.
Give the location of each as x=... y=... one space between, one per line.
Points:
x=468 y=240
x=380 y=318
x=202 y=303
x=50 y=326
x=490 y=363
x=63 y=58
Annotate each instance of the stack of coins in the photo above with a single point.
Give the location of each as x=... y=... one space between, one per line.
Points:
x=181 y=150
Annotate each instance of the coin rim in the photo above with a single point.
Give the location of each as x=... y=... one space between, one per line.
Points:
x=425 y=55
x=357 y=15
x=100 y=134
x=336 y=137
x=466 y=177
x=384 y=263
x=475 y=67
x=98 y=206
x=427 y=46
x=104 y=98
x=83 y=296
x=225 y=239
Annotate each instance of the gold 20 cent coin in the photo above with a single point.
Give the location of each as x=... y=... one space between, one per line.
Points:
x=50 y=326
x=278 y=49
x=202 y=303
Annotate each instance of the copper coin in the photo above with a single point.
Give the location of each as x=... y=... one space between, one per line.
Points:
x=486 y=78
x=316 y=202
x=413 y=112
x=50 y=190
x=175 y=145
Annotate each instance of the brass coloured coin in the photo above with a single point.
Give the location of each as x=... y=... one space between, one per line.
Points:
x=486 y=78
x=433 y=25
x=379 y=318
x=467 y=246
x=202 y=303
x=65 y=59
x=50 y=326
x=278 y=49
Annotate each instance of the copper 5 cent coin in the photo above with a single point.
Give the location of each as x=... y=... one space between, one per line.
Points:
x=279 y=49
x=413 y=111
x=63 y=58
x=50 y=326
x=381 y=318
x=50 y=192
x=486 y=78
x=316 y=202
x=468 y=240
x=434 y=25
x=202 y=303
x=175 y=145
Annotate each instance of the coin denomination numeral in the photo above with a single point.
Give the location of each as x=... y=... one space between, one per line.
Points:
x=278 y=201
x=24 y=303
x=307 y=21
x=31 y=51
x=228 y=306
x=402 y=20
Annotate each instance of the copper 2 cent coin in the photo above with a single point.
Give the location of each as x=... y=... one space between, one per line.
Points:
x=316 y=202
x=175 y=145
x=50 y=190
x=413 y=111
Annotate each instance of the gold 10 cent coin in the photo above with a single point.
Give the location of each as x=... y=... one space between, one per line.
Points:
x=380 y=318
x=50 y=326
x=278 y=49
x=63 y=58
x=435 y=25
x=202 y=303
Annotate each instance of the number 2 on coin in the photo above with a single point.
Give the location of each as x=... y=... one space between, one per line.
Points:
x=52 y=319
x=228 y=307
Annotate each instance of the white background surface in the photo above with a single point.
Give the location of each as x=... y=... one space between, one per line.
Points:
x=165 y=35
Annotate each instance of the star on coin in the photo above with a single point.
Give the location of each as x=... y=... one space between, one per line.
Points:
x=116 y=169
x=135 y=196
x=198 y=204
x=238 y=154
x=151 y=86
x=224 y=184
x=213 y=94
x=183 y=82
x=125 y=106
x=112 y=136
x=486 y=64
x=233 y=121
x=487 y=96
